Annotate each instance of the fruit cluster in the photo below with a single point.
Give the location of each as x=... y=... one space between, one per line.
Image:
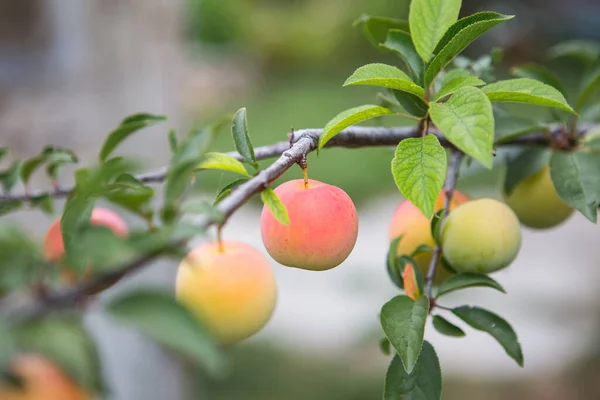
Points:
x=231 y=287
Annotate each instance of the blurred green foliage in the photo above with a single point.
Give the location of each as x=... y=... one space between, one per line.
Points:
x=302 y=34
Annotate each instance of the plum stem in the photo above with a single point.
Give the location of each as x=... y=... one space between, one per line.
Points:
x=220 y=239
x=304 y=165
x=305 y=173
x=449 y=185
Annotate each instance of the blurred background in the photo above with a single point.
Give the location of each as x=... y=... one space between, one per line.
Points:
x=71 y=70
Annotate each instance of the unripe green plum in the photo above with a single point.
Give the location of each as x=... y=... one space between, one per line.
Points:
x=482 y=235
x=230 y=288
x=410 y=222
x=323 y=226
x=536 y=202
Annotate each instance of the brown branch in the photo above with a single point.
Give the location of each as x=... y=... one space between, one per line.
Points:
x=69 y=296
x=353 y=137
x=449 y=185
x=303 y=142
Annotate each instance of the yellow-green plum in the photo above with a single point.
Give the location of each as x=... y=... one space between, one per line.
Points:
x=323 y=226
x=230 y=287
x=410 y=222
x=482 y=235
x=42 y=380
x=536 y=202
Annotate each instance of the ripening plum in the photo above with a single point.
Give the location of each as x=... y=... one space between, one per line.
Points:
x=410 y=222
x=42 y=380
x=482 y=235
x=54 y=248
x=231 y=289
x=536 y=203
x=323 y=226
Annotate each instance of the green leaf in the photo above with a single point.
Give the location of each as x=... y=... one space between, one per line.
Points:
x=540 y=73
x=423 y=248
x=10 y=176
x=419 y=170
x=173 y=142
x=77 y=212
x=496 y=326
x=44 y=203
x=239 y=130
x=159 y=316
x=400 y=42
x=348 y=118
x=414 y=105
x=403 y=322
x=65 y=341
x=447 y=76
x=128 y=192
x=57 y=157
x=8 y=206
x=435 y=225
x=227 y=189
x=385 y=346
x=576 y=178
x=393 y=266
x=458 y=37
x=423 y=383
x=467 y=280
x=30 y=166
x=467 y=121
x=384 y=75
x=21 y=259
x=590 y=85
x=183 y=163
x=429 y=20
x=223 y=162
x=526 y=164
x=128 y=126
x=525 y=90
x=510 y=127
x=585 y=50
x=497 y=55
x=91 y=183
x=445 y=327
x=275 y=205
x=452 y=85
x=376 y=28
x=4 y=151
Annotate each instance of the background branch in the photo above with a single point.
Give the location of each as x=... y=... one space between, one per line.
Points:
x=353 y=137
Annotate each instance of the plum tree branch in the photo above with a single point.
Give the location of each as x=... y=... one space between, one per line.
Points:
x=352 y=137
x=290 y=153
x=66 y=297
x=449 y=185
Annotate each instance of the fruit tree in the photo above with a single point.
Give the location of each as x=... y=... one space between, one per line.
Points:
x=440 y=240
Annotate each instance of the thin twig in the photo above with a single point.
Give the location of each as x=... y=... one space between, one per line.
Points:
x=353 y=137
x=449 y=185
